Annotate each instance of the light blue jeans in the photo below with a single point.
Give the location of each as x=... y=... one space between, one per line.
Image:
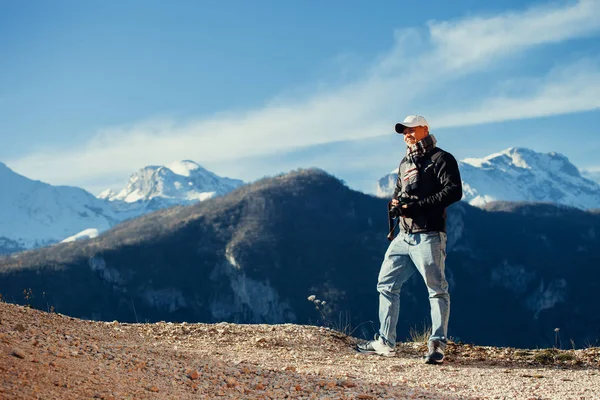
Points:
x=407 y=253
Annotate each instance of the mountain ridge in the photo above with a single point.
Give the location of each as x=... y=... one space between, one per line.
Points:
x=151 y=181
x=256 y=254
x=34 y=213
x=161 y=186
x=519 y=174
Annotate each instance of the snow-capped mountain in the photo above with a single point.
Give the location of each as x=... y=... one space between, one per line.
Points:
x=519 y=174
x=155 y=187
x=33 y=213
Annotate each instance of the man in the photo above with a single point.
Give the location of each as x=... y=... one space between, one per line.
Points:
x=428 y=182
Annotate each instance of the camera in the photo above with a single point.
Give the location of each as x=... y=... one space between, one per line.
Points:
x=395 y=211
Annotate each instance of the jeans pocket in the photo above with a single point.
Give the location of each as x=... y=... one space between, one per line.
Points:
x=431 y=237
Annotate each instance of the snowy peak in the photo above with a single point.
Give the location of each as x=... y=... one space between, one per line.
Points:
x=183 y=182
x=159 y=186
x=516 y=157
x=145 y=184
x=520 y=174
x=34 y=213
x=107 y=194
x=185 y=167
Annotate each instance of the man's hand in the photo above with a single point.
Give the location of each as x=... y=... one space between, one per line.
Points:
x=410 y=210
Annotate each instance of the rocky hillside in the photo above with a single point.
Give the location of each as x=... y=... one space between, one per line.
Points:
x=256 y=254
x=47 y=355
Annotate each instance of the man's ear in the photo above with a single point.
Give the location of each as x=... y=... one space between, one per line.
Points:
x=426 y=130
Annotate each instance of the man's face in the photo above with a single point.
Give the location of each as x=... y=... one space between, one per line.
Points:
x=413 y=135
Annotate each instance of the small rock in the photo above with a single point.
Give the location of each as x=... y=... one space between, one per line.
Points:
x=153 y=389
x=395 y=368
x=346 y=383
x=290 y=369
x=192 y=374
x=18 y=353
x=231 y=381
x=20 y=328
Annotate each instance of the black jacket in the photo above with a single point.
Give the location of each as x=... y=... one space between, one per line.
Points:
x=439 y=186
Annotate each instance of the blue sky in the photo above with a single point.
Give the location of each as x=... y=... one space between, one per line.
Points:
x=92 y=91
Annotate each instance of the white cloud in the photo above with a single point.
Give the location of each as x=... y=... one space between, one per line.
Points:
x=468 y=43
x=564 y=90
x=405 y=78
x=592 y=172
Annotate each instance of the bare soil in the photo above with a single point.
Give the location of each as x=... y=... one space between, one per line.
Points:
x=52 y=356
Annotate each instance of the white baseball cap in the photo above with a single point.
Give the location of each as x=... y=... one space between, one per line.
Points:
x=410 y=122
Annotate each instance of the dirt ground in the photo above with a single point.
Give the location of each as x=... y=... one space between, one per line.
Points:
x=52 y=356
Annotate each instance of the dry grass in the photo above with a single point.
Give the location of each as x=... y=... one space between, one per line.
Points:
x=420 y=335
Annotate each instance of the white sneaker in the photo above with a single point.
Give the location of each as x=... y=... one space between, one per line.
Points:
x=378 y=346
